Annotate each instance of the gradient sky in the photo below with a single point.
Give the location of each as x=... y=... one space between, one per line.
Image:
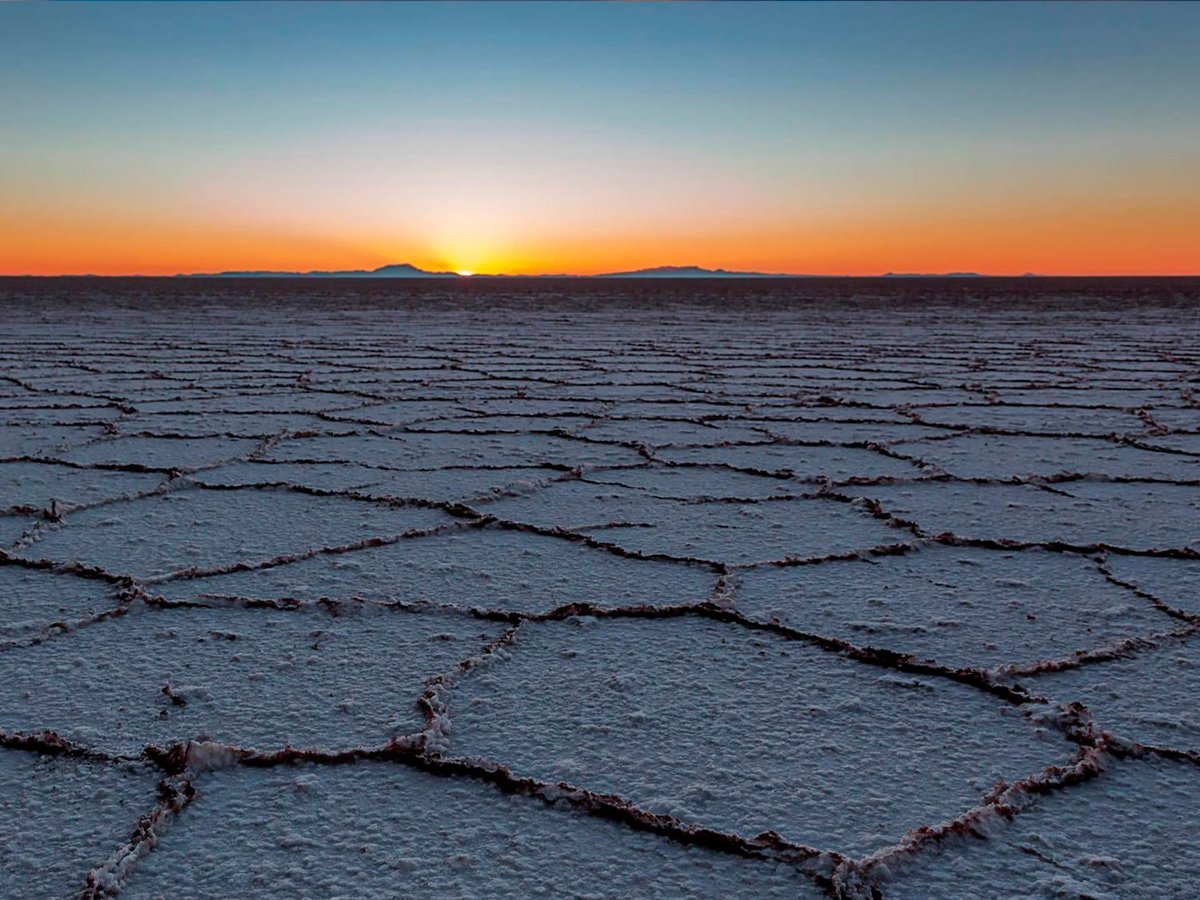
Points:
x=574 y=137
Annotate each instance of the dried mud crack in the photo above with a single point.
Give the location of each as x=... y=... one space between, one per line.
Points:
x=587 y=595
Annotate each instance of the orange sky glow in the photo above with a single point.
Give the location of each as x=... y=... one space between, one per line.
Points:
x=1146 y=239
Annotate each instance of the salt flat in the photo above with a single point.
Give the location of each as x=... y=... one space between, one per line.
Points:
x=574 y=589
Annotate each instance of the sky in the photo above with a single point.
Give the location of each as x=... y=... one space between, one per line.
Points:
x=590 y=137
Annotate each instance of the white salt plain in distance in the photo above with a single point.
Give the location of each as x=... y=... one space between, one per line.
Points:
x=618 y=434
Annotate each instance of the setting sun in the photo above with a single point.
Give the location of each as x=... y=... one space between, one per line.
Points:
x=466 y=273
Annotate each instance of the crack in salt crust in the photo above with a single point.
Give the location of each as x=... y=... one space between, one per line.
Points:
x=891 y=485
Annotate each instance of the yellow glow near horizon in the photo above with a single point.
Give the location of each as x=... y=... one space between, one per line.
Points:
x=1146 y=230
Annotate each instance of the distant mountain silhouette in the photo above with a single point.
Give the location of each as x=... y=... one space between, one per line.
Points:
x=932 y=275
x=395 y=270
x=405 y=270
x=689 y=272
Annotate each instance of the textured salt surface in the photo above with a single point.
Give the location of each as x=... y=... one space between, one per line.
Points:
x=13 y=527
x=743 y=732
x=59 y=816
x=490 y=567
x=1139 y=516
x=806 y=462
x=386 y=830
x=433 y=596
x=171 y=531
x=1132 y=832
x=262 y=678
x=41 y=485
x=960 y=606
x=732 y=532
x=175 y=452
x=1175 y=582
x=432 y=485
x=1008 y=456
x=1148 y=696
x=34 y=598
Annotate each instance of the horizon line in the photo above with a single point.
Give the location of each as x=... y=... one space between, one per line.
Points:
x=607 y=276
x=400 y=271
x=714 y=275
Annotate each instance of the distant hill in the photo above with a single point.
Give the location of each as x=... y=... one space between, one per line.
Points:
x=932 y=275
x=396 y=270
x=689 y=272
x=405 y=270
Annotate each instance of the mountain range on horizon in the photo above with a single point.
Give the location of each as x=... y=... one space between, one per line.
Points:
x=694 y=272
x=407 y=270
x=394 y=270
